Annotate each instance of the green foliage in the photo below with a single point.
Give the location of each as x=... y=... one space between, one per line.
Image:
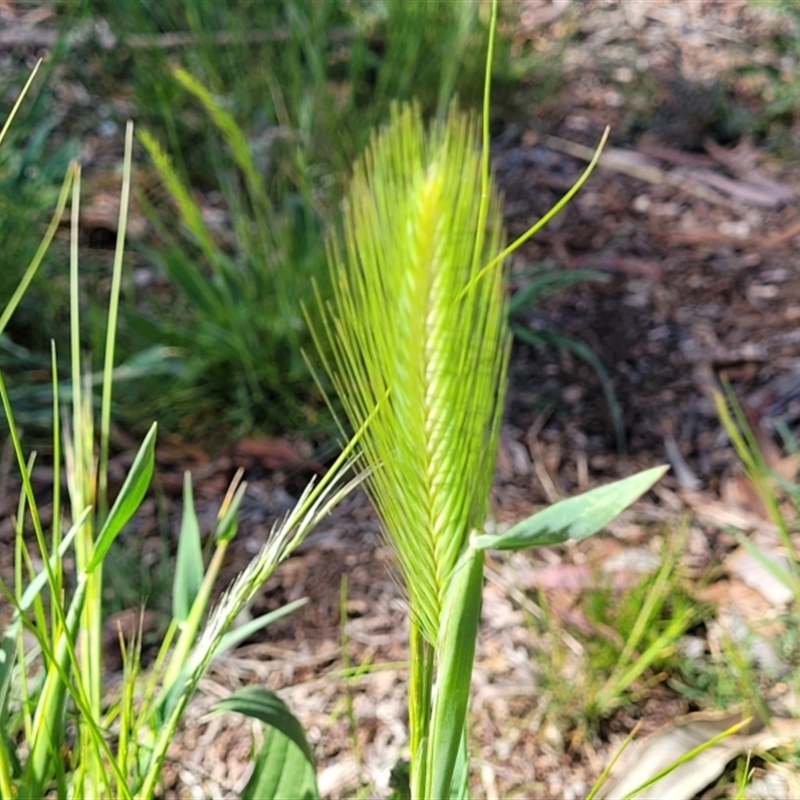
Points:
x=285 y=763
x=768 y=485
x=240 y=334
x=276 y=156
x=650 y=620
x=630 y=642
x=32 y=169
x=118 y=745
x=416 y=343
x=575 y=518
x=32 y=173
x=780 y=87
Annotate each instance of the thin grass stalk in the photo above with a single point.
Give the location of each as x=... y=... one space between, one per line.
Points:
x=420 y=687
x=83 y=489
x=55 y=545
x=352 y=725
x=559 y=206
x=48 y=719
x=44 y=245
x=6 y=768
x=688 y=756
x=747 y=448
x=111 y=326
x=483 y=211
x=18 y=101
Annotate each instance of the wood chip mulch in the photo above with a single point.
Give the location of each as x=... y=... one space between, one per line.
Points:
x=696 y=238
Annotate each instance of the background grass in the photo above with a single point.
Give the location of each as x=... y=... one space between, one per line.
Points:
x=300 y=84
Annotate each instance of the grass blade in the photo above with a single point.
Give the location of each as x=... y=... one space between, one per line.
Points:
x=456 y=648
x=189 y=560
x=129 y=498
x=575 y=518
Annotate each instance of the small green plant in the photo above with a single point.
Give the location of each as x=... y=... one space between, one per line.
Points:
x=417 y=337
x=62 y=733
x=776 y=80
x=769 y=486
x=780 y=498
x=240 y=334
x=629 y=642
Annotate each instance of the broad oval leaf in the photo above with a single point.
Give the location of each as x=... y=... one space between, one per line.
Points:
x=260 y=703
x=576 y=518
x=281 y=772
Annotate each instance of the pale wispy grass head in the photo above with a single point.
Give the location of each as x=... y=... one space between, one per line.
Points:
x=417 y=340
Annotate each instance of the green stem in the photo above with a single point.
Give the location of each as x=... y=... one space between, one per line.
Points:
x=419 y=705
x=456 y=646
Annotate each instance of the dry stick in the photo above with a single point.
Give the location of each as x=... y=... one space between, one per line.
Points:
x=39 y=38
x=631 y=163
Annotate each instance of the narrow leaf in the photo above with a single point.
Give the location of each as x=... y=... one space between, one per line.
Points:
x=129 y=498
x=8 y=644
x=228 y=524
x=536 y=337
x=575 y=518
x=255 y=625
x=189 y=560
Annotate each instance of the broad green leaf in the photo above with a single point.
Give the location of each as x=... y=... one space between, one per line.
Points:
x=281 y=772
x=189 y=560
x=260 y=703
x=129 y=498
x=575 y=518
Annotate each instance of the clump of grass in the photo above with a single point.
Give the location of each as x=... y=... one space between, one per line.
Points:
x=276 y=155
x=118 y=741
x=31 y=174
x=628 y=644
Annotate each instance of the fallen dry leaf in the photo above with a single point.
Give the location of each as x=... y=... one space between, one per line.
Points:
x=647 y=758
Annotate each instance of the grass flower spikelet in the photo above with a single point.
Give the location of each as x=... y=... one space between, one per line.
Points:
x=408 y=339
